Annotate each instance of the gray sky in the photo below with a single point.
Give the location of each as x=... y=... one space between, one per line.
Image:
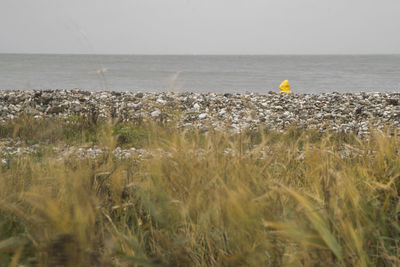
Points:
x=200 y=26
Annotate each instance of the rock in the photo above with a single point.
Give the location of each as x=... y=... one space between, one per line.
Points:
x=45 y=100
x=358 y=110
x=55 y=110
x=156 y=113
x=202 y=116
x=77 y=108
x=161 y=101
x=393 y=102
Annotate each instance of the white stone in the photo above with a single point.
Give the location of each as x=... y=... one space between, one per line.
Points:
x=161 y=101
x=202 y=116
x=156 y=113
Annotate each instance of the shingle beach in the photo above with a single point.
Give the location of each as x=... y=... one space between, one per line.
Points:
x=348 y=113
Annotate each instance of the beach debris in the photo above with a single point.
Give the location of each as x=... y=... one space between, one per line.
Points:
x=285 y=87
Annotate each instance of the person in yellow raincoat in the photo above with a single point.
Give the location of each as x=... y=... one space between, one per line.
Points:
x=285 y=87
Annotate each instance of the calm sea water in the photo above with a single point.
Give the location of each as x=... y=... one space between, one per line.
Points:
x=307 y=74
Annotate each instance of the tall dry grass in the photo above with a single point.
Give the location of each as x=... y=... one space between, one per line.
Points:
x=204 y=199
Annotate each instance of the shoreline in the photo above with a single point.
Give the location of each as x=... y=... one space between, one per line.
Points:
x=340 y=112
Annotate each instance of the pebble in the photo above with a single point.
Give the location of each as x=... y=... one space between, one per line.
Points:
x=347 y=112
x=156 y=113
x=202 y=116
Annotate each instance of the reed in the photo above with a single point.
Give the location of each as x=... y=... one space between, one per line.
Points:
x=260 y=198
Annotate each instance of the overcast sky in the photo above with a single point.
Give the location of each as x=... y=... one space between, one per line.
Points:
x=200 y=26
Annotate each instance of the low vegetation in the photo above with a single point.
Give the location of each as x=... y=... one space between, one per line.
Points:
x=260 y=198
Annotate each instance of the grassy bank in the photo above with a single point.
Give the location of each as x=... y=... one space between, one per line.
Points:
x=260 y=198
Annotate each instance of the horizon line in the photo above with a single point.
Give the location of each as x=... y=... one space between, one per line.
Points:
x=139 y=54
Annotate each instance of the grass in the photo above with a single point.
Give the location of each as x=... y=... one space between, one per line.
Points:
x=208 y=199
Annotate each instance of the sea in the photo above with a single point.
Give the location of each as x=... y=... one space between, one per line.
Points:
x=202 y=73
